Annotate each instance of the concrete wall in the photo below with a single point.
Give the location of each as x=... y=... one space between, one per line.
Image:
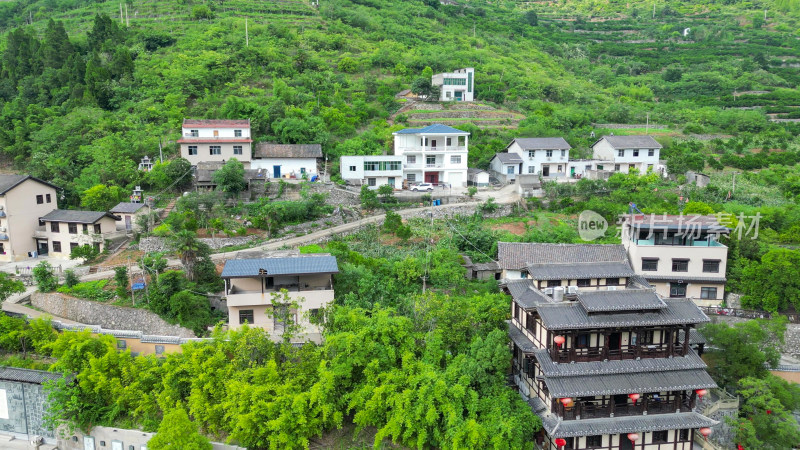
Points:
x=22 y=217
x=357 y=162
x=603 y=150
x=22 y=408
x=540 y=158
x=118 y=436
x=107 y=316
x=226 y=152
x=107 y=225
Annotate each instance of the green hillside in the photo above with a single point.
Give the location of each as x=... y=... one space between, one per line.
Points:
x=83 y=112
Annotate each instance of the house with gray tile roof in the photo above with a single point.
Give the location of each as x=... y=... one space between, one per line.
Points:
x=273 y=292
x=625 y=153
x=65 y=229
x=546 y=157
x=599 y=358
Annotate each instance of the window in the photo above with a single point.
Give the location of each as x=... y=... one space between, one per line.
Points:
x=159 y=349
x=680 y=265
x=531 y=154
x=649 y=265
x=245 y=315
x=47 y=196
x=616 y=167
x=214 y=150
x=315 y=315
x=352 y=168
x=659 y=437
x=594 y=441
x=549 y=153
x=510 y=170
x=684 y=436
x=85 y=228
x=651 y=152
x=121 y=344
x=620 y=153
x=237 y=133
x=411 y=159
x=455 y=159
x=2 y=249
x=192 y=150
x=582 y=340
x=72 y=246
x=97 y=228
x=708 y=293
x=531 y=169
x=553 y=283
x=216 y=133
x=644 y=337
x=448 y=141
x=412 y=177
x=39 y=199
x=57 y=246
x=612 y=281
x=54 y=227
x=73 y=228
x=194 y=133
x=371 y=182
x=584 y=282
x=711 y=266
x=559 y=168
x=430 y=161
x=677 y=290
x=41 y=222
x=636 y=152
x=563 y=153
x=237 y=149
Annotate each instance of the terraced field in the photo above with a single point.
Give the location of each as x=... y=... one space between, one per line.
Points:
x=482 y=115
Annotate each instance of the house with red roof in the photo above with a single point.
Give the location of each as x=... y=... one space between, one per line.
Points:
x=212 y=140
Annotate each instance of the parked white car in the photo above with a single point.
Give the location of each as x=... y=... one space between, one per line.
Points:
x=422 y=187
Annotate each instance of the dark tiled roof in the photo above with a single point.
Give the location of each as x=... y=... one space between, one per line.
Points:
x=622 y=425
x=8 y=182
x=68 y=215
x=519 y=338
x=124 y=334
x=624 y=142
x=630 y=366
x=508 y=158
x=271 y=150
x=154 y=339
x=474 y=171
x=125 y=207
x=695 y=337
x=574 y=271
x=525 y=294
x=432 y=129
x=27 y=375
x=280 y=266
x=627 y=383
x=623 y=300
x=572 y=315
x=215 y=123
x=517 y=255
x=542 y=143
x=490 y=266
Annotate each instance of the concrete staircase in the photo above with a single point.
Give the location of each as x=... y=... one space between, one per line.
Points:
x=165 y=212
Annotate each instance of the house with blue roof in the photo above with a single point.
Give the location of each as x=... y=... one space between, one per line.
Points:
x=253 y=289
x=434 y=154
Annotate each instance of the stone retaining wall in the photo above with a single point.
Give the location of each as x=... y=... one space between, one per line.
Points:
x=158 y=244
x=107 y=316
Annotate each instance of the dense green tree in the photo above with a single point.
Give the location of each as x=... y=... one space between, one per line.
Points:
x=177 y=432
x=9 y=287
x=369 y=198
x=764 y=421
x=44 y=277
x=230 y=178
x=766 y=285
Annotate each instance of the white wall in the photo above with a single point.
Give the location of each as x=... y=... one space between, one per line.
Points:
x=539 y=158
x=22 y=217
x=288 y=165
x=220 y=132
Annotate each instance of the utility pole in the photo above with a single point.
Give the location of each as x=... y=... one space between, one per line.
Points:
x=654 y=10
x=246 y=34
x=733 y=189
x=160 y=152
x=120 y=14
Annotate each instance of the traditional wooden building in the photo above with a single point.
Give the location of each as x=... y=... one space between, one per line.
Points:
x=608 y=368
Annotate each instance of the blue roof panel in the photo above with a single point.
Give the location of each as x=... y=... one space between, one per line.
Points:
x=280 y=266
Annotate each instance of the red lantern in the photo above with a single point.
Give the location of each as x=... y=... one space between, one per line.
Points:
x=566 y=401
x=634 y=397
x=769 y=411
x=739 y=447
x=559 y=340
x=705 y=431
x=560 y=442
x=701 y=392
x=633 y=437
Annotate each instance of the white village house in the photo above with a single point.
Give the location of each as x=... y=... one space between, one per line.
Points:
x=458 y=85
x=434 y=154
x=372 y=170
x=506 y=166
x=546 y=157
x=216 y=140
x=624 y=153
x=287 y=160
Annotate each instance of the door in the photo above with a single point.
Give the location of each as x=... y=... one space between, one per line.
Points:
x=545 y=170
x=625 y=443
x=390 y=181
x=42 y=248
x=459 y=96
x=88 y=443
x=276 y=171
x=432 y=177
x=433 y=144
x=128 y=224
x=456 y=179
x=572 y=171
x=614 y=341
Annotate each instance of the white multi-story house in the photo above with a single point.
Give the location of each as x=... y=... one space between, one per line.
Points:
x=624 y=153
x=458 y=85
x=680 y=256
x=434 y=154
x=546 y=157
x=23 y=199
x=216 y=140
x=253 y=291
x=372 y=170
x=66 y=229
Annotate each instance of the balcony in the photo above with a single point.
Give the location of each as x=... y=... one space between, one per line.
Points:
x=563 y=355
x=310 y=296
x=424 y=166
x=437 y=149
x=598 y=409
x=693 y=243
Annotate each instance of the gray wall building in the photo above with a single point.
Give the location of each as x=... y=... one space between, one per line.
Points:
x=23 y=402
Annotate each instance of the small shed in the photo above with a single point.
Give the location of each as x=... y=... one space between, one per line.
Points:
x=481 y=271
x=506 y=166
x=128 y=213
x=477 y=177
x=529 y=186
x=286 y=160
x=700 y=179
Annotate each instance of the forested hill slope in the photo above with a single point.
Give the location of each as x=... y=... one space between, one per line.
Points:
x=84 y=96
